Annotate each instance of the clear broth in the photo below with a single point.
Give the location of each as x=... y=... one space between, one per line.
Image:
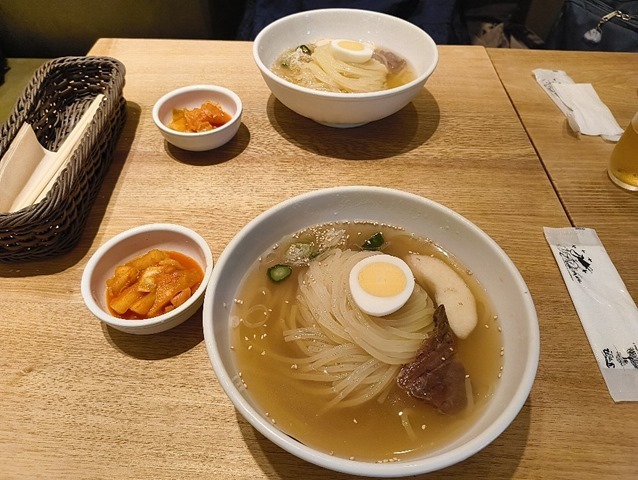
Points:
x=373 y=431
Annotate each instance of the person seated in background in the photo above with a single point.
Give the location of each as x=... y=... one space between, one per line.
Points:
x=439 y=18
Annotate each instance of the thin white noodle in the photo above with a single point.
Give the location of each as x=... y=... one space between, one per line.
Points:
x=261 y=314
x=357 y=355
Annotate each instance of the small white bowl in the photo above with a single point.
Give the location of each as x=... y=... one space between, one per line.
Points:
x=345 y=109
x=130 y=244
x=490 y=265
x=193 y=97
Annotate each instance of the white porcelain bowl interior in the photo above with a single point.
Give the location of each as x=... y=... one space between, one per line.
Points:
x=345 y=109
x=133 y=243
x=194 y=96
x=490 y=265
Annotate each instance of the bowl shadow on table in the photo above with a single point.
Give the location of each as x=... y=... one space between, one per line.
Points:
x=409 y=128
x=219 y=155
x=499 y=460
x=56 y=264
x=158 y=346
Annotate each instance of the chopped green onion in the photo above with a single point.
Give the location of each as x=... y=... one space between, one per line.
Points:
x=374 y=242
x=279 y=272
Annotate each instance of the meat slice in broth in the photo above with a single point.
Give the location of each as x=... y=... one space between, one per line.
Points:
x=436 y=375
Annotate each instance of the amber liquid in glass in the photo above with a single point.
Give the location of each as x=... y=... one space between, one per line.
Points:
x=623 y=164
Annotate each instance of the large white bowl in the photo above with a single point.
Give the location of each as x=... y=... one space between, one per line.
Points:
x=475 y=249
x=345 y=109
x=130 y=244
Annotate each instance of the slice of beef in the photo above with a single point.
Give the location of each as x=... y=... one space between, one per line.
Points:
x=393 y=62
x=436 y=375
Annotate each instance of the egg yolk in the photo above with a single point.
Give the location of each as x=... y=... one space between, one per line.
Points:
x=351 y=45
x=382 y=279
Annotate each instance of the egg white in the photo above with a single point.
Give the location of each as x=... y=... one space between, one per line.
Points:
x=375 y=305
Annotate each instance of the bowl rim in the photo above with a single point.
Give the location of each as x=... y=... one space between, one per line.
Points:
x=106 y=317
x=265 y=70
x=354 y=467
x=195 y=88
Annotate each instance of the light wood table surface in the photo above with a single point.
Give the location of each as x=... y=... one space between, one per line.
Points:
x=78 y=400
x=577 y=164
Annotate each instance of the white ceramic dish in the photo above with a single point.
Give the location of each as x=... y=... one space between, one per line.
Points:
x=193 y=97
x=470 y=245
x=345 y=109
x=130 y=244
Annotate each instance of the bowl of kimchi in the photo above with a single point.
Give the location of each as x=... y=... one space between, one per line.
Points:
x=198 y=117
x=148 y=279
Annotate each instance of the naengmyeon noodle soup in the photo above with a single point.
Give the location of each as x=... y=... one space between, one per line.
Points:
x=385 y=386
x=342 y=65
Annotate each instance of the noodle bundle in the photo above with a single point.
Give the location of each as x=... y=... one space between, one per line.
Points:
x=322 y=71
x=356 y=356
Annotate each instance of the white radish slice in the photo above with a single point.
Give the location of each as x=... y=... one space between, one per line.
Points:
x=449 y=289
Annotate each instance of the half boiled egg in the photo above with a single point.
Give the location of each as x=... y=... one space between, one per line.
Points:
x=381 y=284
x=351 y=51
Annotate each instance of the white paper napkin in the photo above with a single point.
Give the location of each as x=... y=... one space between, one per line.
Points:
x=580 y=103
x=606 y=310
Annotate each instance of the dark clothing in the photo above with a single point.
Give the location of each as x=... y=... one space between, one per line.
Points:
x=439 y=18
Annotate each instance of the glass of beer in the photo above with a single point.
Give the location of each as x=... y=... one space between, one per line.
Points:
x=623 y=164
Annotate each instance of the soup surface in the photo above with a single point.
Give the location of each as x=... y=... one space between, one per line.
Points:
x=388 y=427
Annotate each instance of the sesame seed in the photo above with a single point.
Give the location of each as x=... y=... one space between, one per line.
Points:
x=273 y=421
x=467 y=376
x=355 y=420
x=351 y=458
x=250 y=347
x=424 y=426
x=263 y=352
x=487 y=326
x=500 y=375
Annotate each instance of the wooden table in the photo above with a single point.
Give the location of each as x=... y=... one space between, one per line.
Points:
x=78 y=400
x=577 y=164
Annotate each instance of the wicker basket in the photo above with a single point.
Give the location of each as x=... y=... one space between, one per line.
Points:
x=52 y=103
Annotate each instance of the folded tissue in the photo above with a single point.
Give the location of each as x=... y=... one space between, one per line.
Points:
x=585 y=112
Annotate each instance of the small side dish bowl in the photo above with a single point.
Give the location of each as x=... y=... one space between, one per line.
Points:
x=131 y=244
x=193 y=97
x=345 y=109
x=496 y=273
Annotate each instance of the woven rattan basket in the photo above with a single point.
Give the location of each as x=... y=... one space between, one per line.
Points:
x=52 y=103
